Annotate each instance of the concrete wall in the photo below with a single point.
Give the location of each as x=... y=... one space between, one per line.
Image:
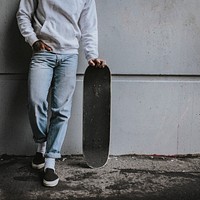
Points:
x=152 y=48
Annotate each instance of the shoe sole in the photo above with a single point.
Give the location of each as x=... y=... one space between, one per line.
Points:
x=40 y=166
x=50 y=183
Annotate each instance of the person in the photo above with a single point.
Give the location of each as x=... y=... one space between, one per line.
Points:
x=54 y=30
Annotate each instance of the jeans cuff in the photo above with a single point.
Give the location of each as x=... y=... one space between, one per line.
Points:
x=52 y=155
x=40 y=140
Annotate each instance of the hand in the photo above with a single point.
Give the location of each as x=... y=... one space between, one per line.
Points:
x=97 y=62
x=40 y=45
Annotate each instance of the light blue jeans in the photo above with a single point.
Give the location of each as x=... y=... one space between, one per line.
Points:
x=56 y=71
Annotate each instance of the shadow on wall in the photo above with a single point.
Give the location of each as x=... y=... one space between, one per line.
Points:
x=15 y=54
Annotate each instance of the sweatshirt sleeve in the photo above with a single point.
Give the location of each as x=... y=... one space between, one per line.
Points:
x=24 y=20
x=89 y=30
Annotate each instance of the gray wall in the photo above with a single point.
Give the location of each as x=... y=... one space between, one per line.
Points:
x=153 y=50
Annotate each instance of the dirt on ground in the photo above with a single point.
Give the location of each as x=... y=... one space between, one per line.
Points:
x=123 y=178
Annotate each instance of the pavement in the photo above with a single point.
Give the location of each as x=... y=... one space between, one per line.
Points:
x=123 y=178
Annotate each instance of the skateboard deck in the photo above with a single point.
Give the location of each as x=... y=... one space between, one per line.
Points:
x=96 y=116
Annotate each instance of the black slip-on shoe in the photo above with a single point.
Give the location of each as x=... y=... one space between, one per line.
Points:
x=38 y=161
x=50 y=178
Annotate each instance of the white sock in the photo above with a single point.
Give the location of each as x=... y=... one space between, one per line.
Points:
x=49 y=163
x=41 y=148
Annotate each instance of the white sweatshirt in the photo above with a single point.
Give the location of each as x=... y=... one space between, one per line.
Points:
x=60 y=24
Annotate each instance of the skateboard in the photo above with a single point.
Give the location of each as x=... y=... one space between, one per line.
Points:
x=96 y=116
